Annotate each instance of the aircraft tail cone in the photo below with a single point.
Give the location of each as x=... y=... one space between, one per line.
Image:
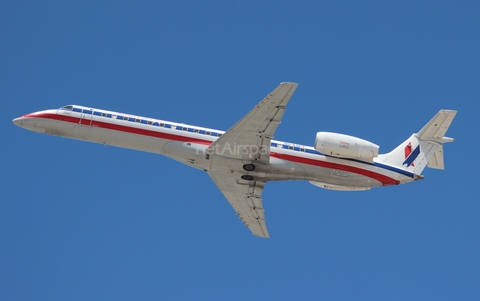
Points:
x=418 y=177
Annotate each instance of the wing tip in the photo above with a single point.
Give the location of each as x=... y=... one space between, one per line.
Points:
x=289 y=83
x=265 y=235
x=449 y=112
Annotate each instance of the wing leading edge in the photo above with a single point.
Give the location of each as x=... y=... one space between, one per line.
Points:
x=250 y=137
x=248 y=141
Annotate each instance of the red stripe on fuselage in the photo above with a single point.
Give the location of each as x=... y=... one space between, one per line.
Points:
x=111 y=126
x=377 y=176
x=121 y=128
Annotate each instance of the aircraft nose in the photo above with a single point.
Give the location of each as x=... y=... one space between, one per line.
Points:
x=18 y=121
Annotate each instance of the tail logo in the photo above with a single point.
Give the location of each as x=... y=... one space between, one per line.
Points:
x=410 y=155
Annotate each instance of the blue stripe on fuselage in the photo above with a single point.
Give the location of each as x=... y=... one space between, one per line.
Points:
x=380 y=165
x=313 y=151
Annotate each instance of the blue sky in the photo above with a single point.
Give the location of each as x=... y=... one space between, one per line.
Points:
x=80 y=221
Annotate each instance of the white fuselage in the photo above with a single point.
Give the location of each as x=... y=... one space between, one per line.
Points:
x=187 y=144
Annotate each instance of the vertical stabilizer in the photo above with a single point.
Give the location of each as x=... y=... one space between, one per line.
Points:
x=424 y=148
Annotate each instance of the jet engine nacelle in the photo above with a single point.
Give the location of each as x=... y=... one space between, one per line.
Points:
x=345 y=146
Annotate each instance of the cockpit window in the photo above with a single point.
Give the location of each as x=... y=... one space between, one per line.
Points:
x=67 y=108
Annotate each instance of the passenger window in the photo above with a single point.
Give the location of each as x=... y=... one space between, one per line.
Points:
x=149 y=122
x=104 y=114
x=195 y=130
x=162 y=124
x=125 y=118
x=208 y=133
x=137 y=120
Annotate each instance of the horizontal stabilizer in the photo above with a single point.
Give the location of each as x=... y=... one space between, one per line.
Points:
x=436 y=161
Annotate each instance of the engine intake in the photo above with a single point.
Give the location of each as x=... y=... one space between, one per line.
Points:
x=345 y=146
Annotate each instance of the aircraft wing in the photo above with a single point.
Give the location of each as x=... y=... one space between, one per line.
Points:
x=249 y=138
x=245 y=198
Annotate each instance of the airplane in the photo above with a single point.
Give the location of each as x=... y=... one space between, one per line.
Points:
x=243 y=159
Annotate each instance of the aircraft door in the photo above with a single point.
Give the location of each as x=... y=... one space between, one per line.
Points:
x=86 y=116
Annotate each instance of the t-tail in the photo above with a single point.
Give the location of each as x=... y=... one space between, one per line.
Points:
x=424 y=148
